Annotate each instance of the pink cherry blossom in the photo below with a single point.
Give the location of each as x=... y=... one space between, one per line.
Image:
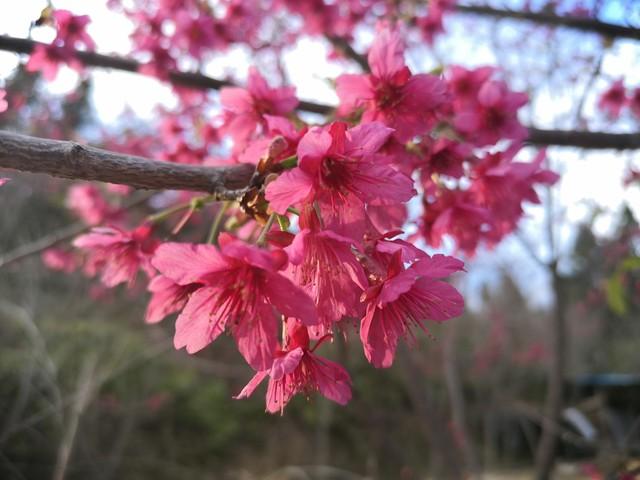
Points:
x=161 y=63
x=431 y=24
x=244 y=108
x=447 y=157
x=296 y=369
x=391 y=94
x=241 y=291
x=167 y=297
x=323 y=263
x=4 y=180
x=118 y=254
x=631 y=176
x=493 y=117
x=46 y=59
x=71 y=30
x=337 y=166
x=456 y=214
x=182 y=152
x=197 y=34
x=60 y=260
x=387 y=217
x=242 y=21
x=465 y=84
x=613 y=99
x=323 y=18
x=404 y=298
x=88 y=203
x=502 y=185
x=275 y=127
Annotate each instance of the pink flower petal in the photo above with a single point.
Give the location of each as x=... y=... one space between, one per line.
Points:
x=290 y=299
x=290 y=188
x=366 y=139
x=315 y=144
x=286 y=364
x=438 y=266
x=332 y=379
x=354 y=91
x=198 y=325
x=250 y=387
x=386 y=56
x=256 y=337
x=186 y=263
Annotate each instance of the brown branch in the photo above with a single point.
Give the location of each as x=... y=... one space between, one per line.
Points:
x=80 y=162
x=576 y=23
x=342 y=44
x=584 y=139
x=547 y=450
x=183 y=79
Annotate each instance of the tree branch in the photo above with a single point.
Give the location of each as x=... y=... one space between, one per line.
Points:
x=576 y=23
x=79 y=162
x=184 y=79
x=584 y=139
x=343 y=45
x=570 y=138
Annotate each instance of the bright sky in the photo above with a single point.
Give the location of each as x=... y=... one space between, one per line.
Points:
x=588 y=177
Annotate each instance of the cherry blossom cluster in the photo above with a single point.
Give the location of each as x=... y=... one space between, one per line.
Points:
x=313 y=249
x=70 y=36
x=167 y=30
x=617 y=97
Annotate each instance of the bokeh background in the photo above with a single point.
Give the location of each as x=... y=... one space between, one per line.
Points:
x=81 y=375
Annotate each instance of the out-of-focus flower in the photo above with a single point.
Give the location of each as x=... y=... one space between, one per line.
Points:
x=118 y=254
x=613 y=99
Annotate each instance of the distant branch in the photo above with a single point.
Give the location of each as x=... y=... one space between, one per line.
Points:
x=343 y=45
x=184 y=79
x=584 y=139
x=574 y=22
x=56 y=237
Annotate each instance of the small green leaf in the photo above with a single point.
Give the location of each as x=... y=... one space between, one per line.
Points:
x=283 y=221
x=615 y=295
x=630 y=264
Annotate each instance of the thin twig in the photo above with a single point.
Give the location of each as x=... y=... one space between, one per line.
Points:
x=343 y=45
x=84 y=390
x=574 y=22
x=58 y=236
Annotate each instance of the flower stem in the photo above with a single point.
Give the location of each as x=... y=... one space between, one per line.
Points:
x=217 y=222
x=262 y=239
x=289 y=162
x=284 y=333
x=195 y=203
